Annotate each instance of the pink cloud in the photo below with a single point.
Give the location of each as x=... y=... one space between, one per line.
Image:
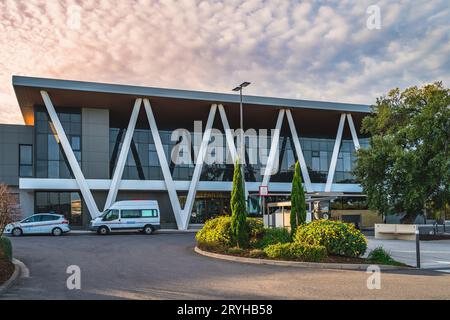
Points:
x=286 y=49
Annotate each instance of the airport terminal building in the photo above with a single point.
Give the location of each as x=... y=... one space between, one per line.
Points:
x=86 y=145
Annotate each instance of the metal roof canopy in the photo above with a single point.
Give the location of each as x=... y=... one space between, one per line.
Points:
x=103 y=95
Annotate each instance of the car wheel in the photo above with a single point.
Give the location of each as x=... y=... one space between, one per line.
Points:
x=57 y=232
x=17 y=232
x=148 y=229
x=103 y=230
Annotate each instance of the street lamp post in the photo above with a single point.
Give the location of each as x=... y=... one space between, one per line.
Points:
x=241 y=112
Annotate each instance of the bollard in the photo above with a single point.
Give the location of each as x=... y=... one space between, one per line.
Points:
x=417 y=248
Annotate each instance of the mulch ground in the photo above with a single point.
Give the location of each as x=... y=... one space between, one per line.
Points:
x=329 y=259
x=6 y=269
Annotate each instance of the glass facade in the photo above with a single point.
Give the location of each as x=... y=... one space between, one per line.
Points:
x=50 y=159
x=65 y=203
x=143 y=163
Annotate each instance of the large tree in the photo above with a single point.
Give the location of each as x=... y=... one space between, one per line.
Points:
x=238 y=206
x=298 y=203
x=406 y=168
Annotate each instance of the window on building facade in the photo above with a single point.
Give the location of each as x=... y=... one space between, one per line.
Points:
x=25 y=160
x=143 y=163
x=51 y=161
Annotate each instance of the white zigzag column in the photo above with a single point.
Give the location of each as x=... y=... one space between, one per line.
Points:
x=182 y=216
x=118 y=171
x=198 y=168
x=273 y=149
x=353 y=132
x=337 y=146
x=73 y=163
x=170 y=185
x=230 y=141
x=298 y=149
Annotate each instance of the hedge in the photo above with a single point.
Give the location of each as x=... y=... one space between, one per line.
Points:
x=296 y=251
x=338 y=238
x=5 y=248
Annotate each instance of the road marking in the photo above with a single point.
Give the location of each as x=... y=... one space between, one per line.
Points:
x=445 y=270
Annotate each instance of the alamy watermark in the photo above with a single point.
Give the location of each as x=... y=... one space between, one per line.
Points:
x=74 y=17
x=73 y=282
x=374 y=19
x=374 y=280
x=256 y=149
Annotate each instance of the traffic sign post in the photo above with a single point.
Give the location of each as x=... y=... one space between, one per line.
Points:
x=263 y=191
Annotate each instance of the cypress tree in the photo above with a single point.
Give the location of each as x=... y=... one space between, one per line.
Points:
x=298 y=203
x=238 y=206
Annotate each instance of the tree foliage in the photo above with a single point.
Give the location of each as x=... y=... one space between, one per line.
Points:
x=406 y=168
x=238 y=206
x=8 y=207
x=298 y=203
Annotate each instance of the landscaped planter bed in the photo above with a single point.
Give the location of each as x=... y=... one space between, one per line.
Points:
x=318 y=243
x=331 y=259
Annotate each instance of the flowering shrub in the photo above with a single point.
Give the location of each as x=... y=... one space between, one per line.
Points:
x=338 y=238
x=216 y=233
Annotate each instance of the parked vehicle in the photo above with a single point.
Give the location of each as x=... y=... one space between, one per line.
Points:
x=42 y=223
x=140 y=215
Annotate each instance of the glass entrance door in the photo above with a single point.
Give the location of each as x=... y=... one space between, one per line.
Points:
x=208 y=205
x=65 y=203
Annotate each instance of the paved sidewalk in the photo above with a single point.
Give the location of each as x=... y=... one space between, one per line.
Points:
x=433 y=254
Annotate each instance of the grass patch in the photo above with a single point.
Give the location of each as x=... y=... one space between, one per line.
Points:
x=381 y=256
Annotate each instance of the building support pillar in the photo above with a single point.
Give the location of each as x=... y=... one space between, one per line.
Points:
x=273 y=149
x=118 y=171
x=73 y=163
x=298 y=149
x=334 y=157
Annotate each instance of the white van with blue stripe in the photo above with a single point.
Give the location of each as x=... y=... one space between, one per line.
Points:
x=134 y=215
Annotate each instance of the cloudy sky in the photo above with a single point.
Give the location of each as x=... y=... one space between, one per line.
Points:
x=321 y=50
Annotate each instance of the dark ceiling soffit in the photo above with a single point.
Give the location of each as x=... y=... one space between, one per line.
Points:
x=44 y=83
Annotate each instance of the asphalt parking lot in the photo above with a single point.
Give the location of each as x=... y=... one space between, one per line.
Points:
x=164 y=266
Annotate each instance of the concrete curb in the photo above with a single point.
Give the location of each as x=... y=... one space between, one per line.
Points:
x=297 y=264
x=14 y=277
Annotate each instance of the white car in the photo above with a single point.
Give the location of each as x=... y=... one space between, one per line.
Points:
x=42 y=223
x=141 y=215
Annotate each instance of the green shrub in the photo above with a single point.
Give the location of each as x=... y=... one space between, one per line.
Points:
x=257 y=253
x=5 y=248
x=216 y=233
x=255 y=227
x=273 y=236
x=381 y=256
x=338 y=238
x=296 y=251
x=235 y=250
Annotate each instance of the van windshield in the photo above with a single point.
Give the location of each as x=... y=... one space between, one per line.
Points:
x=104 y=213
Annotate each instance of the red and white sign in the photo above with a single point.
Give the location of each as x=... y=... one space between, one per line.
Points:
x=263 y=191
